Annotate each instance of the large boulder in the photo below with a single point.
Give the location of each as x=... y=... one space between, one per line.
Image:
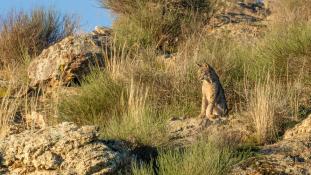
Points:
x=63 y=149
x=292 y=155
x=68 y=60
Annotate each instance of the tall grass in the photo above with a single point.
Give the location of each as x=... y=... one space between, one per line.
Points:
x=287 y=50
x=264 y=105
x=272 y=105
x=22 y=32
x=140 y=123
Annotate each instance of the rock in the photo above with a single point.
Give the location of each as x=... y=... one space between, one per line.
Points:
x=63 y=149
x=292 y=155
x=101 y=30
x=35 y=120
x=68 y=60
x=302 y=130
x=184 y=131
x=14 y=125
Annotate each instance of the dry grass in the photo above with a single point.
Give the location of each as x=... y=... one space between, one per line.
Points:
x=292 y=11
x=9 y=109
x=264 y=106
x=272 y=105
x=23 y=34
x=139 y=123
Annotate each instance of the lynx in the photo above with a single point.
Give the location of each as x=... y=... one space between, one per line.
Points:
x=214 y=102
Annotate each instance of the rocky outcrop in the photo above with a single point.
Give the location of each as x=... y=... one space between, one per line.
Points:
x=302 y=130
x=63 y=149
x=185 y=131
x=290 y=156
x=68 y=60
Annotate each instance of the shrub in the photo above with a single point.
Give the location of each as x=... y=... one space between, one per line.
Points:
x=287 y=50
x=159 y=23
x=272 y=105
x=98 y=100
x=23 y=34
x=140 y=123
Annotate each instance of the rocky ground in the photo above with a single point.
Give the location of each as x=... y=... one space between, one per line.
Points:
x=292 y=155
x=62 y=149
x=70 y=149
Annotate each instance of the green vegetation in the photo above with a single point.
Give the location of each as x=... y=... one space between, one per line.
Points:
x=159 y=23
x=99 y=99
x=201 y=158
x=266 y=78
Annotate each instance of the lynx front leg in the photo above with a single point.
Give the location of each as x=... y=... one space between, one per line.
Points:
x=203 y=106
x=209 y=110
x=211 y=105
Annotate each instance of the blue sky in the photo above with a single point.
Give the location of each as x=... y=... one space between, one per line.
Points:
x=89 y=12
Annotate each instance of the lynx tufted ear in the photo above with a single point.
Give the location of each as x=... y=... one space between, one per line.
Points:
x=204 y=65
x=199 y=65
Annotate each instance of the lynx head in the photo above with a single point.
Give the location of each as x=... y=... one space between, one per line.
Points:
x=205 y=72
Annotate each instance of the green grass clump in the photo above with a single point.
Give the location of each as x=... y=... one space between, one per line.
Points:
x=201 y=158
x=159 y=23
x=98 y=100
x=287 y=50
x=142 y=126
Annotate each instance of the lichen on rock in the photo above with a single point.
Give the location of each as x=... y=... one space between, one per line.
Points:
x=68 y=60
x=62 y=149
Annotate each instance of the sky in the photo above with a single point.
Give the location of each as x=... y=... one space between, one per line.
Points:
x=88 y=11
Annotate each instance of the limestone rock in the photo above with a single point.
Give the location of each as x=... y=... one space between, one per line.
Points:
x=292 y=155
x=63 y=149
x=300 y=131
x=101 y=30
x=68 y=60
x=35 y=120
x=184 y=131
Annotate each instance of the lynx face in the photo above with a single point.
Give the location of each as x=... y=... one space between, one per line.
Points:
x=205 y=72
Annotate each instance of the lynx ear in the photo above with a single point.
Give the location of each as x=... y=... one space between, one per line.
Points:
x=199 y=65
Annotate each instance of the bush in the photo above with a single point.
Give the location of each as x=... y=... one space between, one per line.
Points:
x=159 y=23
x=272 y=105
x=286 y=50
x=98 y=100
x=139 y=123
x=23 y=34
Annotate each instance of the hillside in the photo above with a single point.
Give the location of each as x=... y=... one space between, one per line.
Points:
x=127 y=99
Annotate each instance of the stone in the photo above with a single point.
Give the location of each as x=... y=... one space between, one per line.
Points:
x=185 y=131
x=68 y=61
x=301 y=130
x=101 y=30
x=288 y=156
x=35 y=120
x=62 y=149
